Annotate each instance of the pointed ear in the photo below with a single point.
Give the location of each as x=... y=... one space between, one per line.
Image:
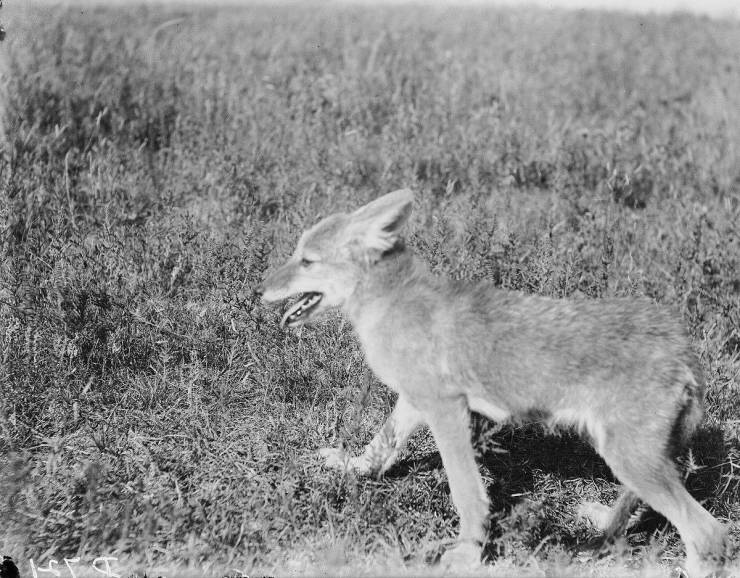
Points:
x=377 y=224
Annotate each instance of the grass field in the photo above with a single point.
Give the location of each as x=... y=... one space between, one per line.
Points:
x=159 y=160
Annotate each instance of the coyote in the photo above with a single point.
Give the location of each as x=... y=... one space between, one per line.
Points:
x=619 y=370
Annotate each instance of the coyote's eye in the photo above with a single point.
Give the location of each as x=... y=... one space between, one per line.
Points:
x=306 y=262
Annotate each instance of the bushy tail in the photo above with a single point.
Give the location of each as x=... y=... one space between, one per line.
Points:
x=691 y=405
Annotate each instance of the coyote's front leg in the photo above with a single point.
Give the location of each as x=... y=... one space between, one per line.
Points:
x=382 y=451
x=450 y=425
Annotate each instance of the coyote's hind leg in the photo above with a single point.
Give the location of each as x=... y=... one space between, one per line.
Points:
x=612 y=521
x=654 y=477
x=382 y=451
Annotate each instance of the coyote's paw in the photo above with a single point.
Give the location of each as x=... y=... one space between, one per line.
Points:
x=336 y=459
x=463 y=556
x=597 y=514
x=702 y=569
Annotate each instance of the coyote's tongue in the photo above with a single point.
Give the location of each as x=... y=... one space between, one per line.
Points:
x=300 y=311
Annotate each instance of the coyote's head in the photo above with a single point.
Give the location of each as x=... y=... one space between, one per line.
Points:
x=332 y=257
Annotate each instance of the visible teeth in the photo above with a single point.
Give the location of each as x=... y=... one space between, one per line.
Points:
x=302 y=307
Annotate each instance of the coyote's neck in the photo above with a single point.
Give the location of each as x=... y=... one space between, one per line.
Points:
x=385 y=284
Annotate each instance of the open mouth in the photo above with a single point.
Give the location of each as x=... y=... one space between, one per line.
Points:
x=301 y=310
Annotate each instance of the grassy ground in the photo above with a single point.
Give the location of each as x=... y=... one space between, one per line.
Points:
x=159 y=160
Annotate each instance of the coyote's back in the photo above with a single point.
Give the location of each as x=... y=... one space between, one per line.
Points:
x=621 y=371
x=570 y=361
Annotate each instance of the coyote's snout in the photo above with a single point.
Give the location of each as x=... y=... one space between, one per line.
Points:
x=619 y=370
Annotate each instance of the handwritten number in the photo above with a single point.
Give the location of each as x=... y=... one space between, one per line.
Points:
x=68 y=562
x=50 y=569
x=107 y=572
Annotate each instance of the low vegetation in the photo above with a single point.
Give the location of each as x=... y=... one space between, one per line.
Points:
x=159 y=160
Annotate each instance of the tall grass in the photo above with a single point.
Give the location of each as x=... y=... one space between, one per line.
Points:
x=159 y=160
